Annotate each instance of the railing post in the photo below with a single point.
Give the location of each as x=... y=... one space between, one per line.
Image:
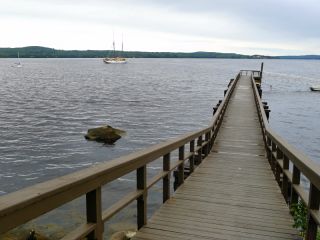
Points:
x=269 y=152
x=278 y=167
x=199 y=153
x=166 y=179
x=314 y=201
x=94 y=213
x=191 y=159
x=181 y=166
x=213 y=136
x=273 y=159
x=142 y=200
x=295 y=181
x=285 y=185
x=207 y=148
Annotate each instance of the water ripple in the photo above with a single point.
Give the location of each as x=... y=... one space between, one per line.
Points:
x=47 y=106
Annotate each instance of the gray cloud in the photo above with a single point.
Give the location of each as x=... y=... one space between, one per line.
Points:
x=295 y=17
x=276 y=22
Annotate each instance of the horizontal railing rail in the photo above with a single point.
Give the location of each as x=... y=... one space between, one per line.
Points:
x=255 y=73
x=288 y=165
x=26 y=204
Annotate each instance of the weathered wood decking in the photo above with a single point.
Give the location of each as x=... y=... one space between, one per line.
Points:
x=233 y=193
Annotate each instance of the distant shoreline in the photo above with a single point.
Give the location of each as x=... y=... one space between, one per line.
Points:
x=44 y=52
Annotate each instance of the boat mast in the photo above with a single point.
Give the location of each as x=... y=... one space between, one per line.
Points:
x=114 y=47
x=122 y=47
x=19 y=58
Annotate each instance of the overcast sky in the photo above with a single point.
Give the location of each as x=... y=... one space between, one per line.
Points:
x=271 y=27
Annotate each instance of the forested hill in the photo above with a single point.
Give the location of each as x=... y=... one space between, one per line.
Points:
x=306 y=57
x=43 y=52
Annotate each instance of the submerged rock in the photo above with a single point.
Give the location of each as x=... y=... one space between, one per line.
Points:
x=105 y=134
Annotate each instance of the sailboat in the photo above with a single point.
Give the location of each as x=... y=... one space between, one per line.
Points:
x=315 y=88
x=18 y=64
x=115 y=59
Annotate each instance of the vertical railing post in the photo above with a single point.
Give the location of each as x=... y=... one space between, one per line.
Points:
x=295 y=181
x=142 y=200
x=261 y=71
x=181 y=166
x=94 y=213
x=273 y=159
x=314 y=201
x=285 y=182
x=199 y=153
x=191 y=159
x=278 y=167
x=166 y=179
x=269 y=152
x=213 y=136
x=207 y=139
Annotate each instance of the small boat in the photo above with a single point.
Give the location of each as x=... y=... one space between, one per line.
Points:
x=115 y=59
x=315 y=88
x=18 y=64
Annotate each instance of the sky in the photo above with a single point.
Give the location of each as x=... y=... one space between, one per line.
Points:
x=266 y=27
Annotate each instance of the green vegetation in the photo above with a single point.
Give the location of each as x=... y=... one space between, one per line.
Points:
x=300 y=216
x=299 y=212
x=42 y=52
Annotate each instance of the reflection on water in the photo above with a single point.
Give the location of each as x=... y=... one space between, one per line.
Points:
x=47 y=106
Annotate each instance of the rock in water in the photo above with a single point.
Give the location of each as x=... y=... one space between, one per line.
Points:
x=105 y=134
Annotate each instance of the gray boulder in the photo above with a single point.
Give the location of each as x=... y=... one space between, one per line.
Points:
x=105 y=134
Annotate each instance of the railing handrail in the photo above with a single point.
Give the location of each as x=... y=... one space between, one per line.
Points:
x=280 y=153
x=249 y=70
x=256 y=73
x=18 y=207
x=308 y=167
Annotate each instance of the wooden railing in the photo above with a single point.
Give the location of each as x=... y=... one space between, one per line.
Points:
x=24 y=205
x=288 y=165
x=254 y=73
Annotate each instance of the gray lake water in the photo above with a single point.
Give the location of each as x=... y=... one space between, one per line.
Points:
x=47 y=106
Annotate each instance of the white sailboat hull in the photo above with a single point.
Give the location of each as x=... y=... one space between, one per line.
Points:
x=114 y=60
x=315 y=88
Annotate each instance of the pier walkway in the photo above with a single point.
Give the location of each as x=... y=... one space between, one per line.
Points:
x=233 y=194
x=234 y=179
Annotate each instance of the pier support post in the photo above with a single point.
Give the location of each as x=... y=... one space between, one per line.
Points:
x=269 y=152
x=142 y=200
x=199 y=152
x=207 y=138
x=191 y=159
x=285 y=180
x=166 y=179
x=314 y=201
x=181 y=166
x=278 y=168
x=273 y=159
x=94 y=213
x=296 y=174
x=261 y=71
x=179 y=174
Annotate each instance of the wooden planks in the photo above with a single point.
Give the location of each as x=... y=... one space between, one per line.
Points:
x=233 y=194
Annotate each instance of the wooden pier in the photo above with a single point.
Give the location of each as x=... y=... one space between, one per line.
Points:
x=235 y=179
x=233 y=193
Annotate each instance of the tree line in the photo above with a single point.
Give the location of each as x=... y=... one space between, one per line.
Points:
x=43 y=52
